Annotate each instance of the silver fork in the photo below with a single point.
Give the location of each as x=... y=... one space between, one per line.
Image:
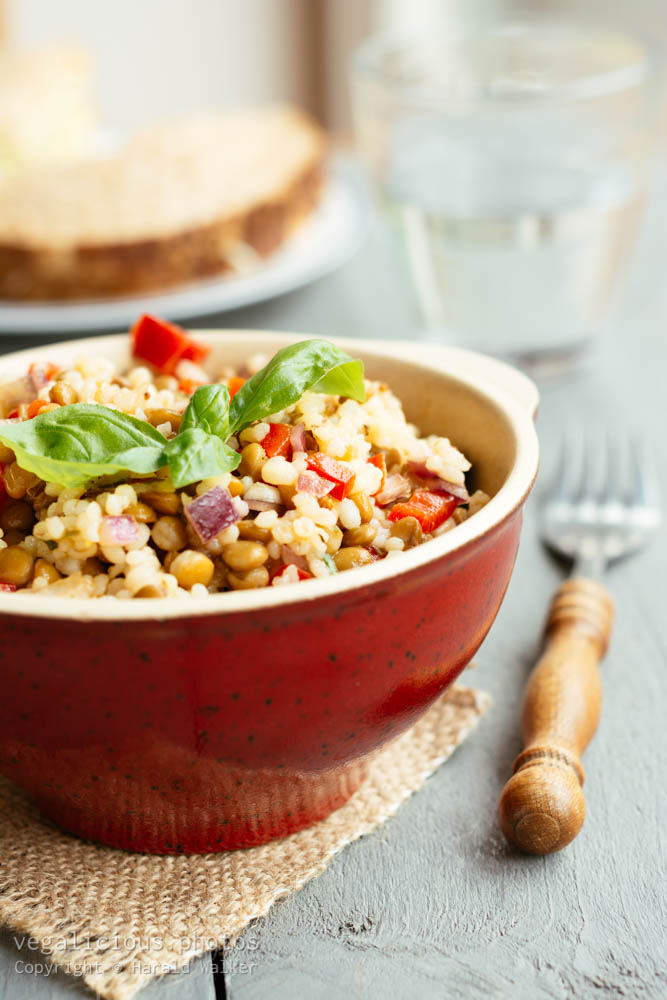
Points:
x=603 y=505
x=604 y=502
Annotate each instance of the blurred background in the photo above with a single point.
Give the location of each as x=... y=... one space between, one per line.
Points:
x=157 y=57
x=511 y=164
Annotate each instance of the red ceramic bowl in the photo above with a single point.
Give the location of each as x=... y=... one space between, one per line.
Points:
x=206 y=724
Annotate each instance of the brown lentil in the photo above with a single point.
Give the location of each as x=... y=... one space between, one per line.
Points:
x=364 y=506
x=163 y=503
x=41 y=501
x=250 y=530
x=254 y=579
x=16 y=566
x=363 y=535
x=141 y=512
x=253 y=457
x=169 y=534
x=17 y=481
x=13 y=537
x=219 y=578
x=243 y=556
x=17 y=516
x=194 y=541
x=409 y=529
x=161 y=416
x=45 y=571
x=63 y=394
x=335 y=540
x=350 y=557
x=92 y=567
x=287 y=494
x=168 y=560
x=150 y=590
x=190 y=567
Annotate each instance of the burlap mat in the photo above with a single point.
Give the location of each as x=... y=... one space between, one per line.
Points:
x=119 y=920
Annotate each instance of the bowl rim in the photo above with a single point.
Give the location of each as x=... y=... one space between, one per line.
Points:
x=510 y=390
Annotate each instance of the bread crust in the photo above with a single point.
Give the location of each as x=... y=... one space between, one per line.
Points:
x=96 y=270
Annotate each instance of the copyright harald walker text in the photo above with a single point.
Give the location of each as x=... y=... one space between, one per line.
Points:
x=134 y=955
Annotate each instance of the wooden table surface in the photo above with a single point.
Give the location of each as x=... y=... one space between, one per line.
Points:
x=434 y=905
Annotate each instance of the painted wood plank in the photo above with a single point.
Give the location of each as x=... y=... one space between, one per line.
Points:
x=26 y=974
x=435 y=904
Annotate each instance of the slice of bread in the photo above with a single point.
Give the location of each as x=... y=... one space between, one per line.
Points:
x=181 y=201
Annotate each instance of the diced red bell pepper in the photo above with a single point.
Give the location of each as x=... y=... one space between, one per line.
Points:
x=300 y=572
x=430 y=508
x=36 y=406
x=194 y=351
x=188 y=386
x=277 y=441
x=235 y=383
x=380 y=463
x=338 y=473
x=7 y=587
x=164 y=344
x=13 y=414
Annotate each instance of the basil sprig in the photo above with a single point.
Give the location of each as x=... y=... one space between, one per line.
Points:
x=208 y=410
x=77 y=443
x=311 y=364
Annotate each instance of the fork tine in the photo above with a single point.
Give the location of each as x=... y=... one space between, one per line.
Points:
x=596 y=466
x=646 y=491
x=619 y=475
x=568 y=476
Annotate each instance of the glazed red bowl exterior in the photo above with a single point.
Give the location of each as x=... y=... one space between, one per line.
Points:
x=207 y=724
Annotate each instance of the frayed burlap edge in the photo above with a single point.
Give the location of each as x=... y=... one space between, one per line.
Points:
x=119 y=920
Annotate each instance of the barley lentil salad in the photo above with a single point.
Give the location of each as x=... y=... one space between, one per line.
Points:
x=166 y=480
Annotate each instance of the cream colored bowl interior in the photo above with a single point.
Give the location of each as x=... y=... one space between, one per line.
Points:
x=485 y=407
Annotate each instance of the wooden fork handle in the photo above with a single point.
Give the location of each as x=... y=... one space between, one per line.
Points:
x=542 y=806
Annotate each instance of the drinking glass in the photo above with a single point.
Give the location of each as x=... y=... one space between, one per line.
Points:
x=513 y=163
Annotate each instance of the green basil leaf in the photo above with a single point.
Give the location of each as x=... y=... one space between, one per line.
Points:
x=310 y=364
x=194 y=455
x=209 y=410
x=77 y=443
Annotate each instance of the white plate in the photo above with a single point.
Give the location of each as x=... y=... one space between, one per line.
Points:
x=333 y=234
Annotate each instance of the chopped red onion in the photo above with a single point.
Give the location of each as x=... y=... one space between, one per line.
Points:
x=211 y=513
x=37 y=376
x=12 y=394
x=420 y=469
x=262 y=496
x=298 y=437
x=118 y=530
x=260 y=505
x=394 y=488
x=437 y=483
x=310 y=482
x=290 y=558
